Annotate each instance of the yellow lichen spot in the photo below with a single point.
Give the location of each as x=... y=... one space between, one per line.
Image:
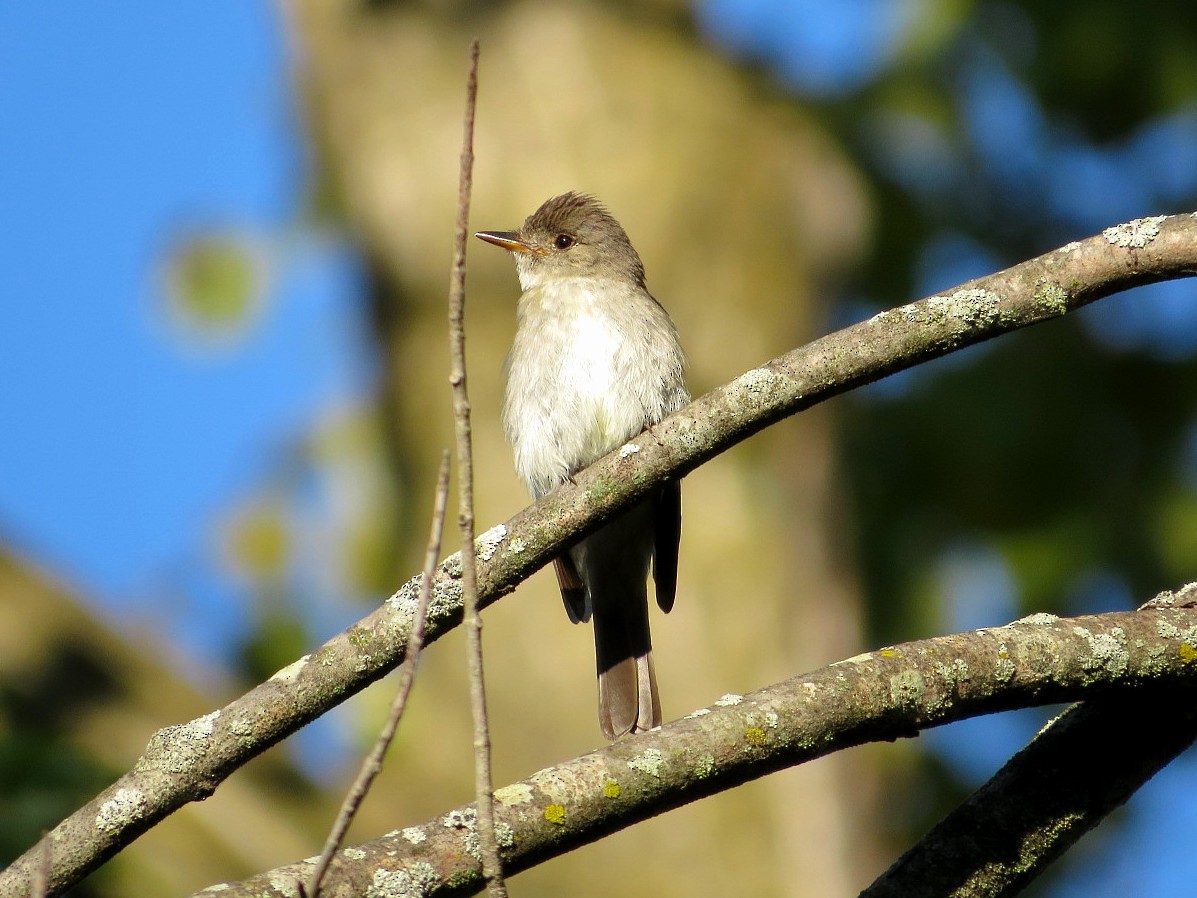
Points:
x=1187 y=653
x=888 y=653
x=555 y=813
x=611 y=789
x=755 y=736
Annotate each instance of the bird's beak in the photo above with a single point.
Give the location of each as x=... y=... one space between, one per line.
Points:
x=509 y=240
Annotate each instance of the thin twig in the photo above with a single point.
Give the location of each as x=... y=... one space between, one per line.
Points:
x=407 y=675
x=492 y=864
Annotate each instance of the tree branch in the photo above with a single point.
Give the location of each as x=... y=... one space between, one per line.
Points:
x=1082 y=766
x=884 y=695
x=186 y=762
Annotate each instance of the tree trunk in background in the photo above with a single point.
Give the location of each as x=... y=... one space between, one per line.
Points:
x=741 y=207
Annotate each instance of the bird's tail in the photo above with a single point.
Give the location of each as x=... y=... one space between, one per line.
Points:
x=627 y=683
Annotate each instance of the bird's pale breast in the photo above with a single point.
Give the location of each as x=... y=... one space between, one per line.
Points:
x=579 y=381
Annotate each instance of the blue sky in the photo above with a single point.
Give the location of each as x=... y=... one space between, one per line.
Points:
x=125 y=441
x=125 y=438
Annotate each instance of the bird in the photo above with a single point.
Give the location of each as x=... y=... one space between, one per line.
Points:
x=595 y=361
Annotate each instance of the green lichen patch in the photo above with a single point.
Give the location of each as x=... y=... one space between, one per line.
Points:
x=1051 y=298
x=1107 y=651
x=907 y=687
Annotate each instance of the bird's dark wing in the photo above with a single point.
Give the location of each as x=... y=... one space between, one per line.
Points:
x=573 y=591
x=668 y=536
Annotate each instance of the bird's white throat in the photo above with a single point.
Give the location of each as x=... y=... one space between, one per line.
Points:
x=590 y=336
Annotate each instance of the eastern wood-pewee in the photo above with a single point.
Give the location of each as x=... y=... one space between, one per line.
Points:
x=596 y=360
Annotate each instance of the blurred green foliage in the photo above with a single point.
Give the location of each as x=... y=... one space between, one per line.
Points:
x=1060 y=448
x=45 y=775
x=1065 y=453
x=215 y=283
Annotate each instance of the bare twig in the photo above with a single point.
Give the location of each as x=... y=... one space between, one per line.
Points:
x=407 y=675
x=492 y=863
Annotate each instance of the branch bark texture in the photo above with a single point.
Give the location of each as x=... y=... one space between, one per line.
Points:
x=186 y=762
x=1127 y=658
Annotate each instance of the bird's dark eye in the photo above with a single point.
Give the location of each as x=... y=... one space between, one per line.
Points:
x=563 y=241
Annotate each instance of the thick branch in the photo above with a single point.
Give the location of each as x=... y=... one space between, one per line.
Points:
x=1082 y=766
x=884 y=695
x=186 y=762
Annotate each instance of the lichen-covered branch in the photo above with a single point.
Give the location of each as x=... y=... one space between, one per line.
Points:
x=1082 y=766
x=884 y=695
x=186 y=762
x=1046 y=287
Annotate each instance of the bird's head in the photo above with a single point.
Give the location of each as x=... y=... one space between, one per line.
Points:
x=570 y=236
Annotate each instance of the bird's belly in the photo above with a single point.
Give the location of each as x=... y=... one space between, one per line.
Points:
x=605 y=408
x=598 y=406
